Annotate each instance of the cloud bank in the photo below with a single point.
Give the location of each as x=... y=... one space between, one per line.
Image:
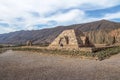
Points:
x=37 y=14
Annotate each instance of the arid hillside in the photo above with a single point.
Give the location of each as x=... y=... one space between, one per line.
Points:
x=104 y=36
x=48 y=35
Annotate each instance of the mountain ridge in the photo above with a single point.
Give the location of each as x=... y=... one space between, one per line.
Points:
x=49 y=34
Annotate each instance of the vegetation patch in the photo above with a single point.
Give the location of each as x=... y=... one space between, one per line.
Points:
x=56 y=51
x=101 y=55
x=2 y=50
x=106 y=53
x=1 y=46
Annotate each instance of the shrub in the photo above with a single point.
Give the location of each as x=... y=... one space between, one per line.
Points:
x=106 y=53
x=1 y=46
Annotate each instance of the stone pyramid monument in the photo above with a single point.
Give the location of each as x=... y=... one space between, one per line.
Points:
x=71 y=39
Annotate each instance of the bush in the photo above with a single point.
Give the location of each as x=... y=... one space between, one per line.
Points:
x=106 y=53
x=1 y=46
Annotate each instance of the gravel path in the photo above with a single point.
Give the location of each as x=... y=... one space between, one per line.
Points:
x=19 y=65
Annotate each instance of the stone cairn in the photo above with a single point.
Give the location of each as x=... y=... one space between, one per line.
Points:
x=29 y=43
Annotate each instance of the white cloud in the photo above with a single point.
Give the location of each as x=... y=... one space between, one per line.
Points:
x=6 y=29
x=11 y=9
x=112 y=15
x=71 y=15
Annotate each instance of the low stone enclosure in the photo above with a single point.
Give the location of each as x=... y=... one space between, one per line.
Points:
x=75 y=40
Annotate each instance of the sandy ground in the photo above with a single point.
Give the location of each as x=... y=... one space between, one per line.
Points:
x=19 y=65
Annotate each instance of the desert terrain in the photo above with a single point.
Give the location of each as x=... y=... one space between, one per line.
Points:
x=24 y=65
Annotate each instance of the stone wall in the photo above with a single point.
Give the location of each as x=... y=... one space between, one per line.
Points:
x=67 y=39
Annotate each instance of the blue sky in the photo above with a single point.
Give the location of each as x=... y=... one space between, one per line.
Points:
x=18 y=15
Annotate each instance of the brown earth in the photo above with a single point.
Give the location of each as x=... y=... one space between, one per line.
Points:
x=19 y=65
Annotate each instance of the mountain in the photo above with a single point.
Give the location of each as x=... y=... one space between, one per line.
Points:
x=48 y=35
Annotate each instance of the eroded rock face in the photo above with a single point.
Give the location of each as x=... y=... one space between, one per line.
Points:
x=104 y=36
x=116 y=34
x=100 y=37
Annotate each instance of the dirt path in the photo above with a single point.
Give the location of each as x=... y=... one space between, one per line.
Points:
x=16 y=65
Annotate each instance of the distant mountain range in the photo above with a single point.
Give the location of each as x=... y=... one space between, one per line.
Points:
x=48 y=35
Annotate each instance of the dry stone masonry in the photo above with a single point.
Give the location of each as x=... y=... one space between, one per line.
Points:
x=71 y=39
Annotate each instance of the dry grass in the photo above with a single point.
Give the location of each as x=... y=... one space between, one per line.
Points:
x=23 y=65
x=2 y=50
x=101 y=54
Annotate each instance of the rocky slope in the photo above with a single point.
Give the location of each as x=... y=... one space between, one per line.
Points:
x=97 y=32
